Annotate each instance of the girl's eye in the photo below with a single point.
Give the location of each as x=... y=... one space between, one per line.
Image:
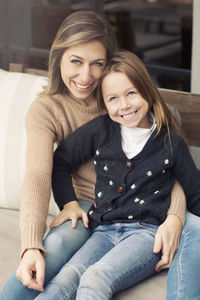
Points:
x=76 y=61
x=113 y=99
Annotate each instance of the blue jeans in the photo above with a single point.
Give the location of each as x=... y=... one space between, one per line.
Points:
x=114 y=258
x=183 y=280
x=60 y=244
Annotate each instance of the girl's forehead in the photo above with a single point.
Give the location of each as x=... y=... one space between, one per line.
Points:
x=116 y=83
x=116 y=78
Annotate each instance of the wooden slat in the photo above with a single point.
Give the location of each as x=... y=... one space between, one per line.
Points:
x=188 y=105
x=14 y=67
x=35 y=71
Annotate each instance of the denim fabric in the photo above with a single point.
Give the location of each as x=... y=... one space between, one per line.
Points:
x=115 y=257
x=183 y=276
x=183 y=281
x=60 y=244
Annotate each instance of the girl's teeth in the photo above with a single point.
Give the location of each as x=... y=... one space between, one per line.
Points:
x=128 y=116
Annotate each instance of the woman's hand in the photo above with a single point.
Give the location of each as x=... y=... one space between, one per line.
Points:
x=71 y=211
x=31 y=269
x=167 y=241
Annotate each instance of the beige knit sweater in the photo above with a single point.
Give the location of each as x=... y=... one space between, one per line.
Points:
x=49 y=120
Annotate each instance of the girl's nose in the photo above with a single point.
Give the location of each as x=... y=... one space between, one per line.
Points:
x=124 y=104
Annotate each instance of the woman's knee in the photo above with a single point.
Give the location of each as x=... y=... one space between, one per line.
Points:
x=60 y=245
x=191 y=229
x=189 y=241
x=192 y=221
x=65 y=238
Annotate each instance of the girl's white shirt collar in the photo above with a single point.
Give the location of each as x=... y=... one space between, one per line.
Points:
x=134 y=139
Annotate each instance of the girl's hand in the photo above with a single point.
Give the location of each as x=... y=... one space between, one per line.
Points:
x=167 y=241
x=71 y=211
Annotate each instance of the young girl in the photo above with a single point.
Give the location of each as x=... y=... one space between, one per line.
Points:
x=138 y=152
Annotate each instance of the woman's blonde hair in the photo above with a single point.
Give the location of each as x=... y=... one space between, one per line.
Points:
x=128 y=63
x=78 y=27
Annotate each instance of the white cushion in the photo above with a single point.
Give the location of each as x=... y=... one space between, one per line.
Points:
x=17 y=92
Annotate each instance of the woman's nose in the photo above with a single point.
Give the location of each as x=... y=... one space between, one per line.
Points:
x=85 y=73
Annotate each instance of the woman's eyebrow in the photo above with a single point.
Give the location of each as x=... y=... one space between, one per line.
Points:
x=76 y=56
x=99 y=59
x=79 y=57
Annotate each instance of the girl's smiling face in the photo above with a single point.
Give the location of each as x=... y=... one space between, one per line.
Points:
x=123 y=102
x=81 y=67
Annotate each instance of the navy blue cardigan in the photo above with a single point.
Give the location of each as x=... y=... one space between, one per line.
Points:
x=127 y=190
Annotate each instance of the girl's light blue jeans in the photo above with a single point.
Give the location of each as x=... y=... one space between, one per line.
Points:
x=183 y=276
x=114 y=258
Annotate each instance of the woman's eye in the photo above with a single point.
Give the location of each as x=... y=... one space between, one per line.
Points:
x=75 y=61
x=98 y=64
x=131 y=93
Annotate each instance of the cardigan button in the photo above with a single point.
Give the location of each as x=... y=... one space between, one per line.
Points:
x=128 y=164
x=120 y=189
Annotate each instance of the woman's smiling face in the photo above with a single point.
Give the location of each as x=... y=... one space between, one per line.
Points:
x=123 y=102
x=81 y=67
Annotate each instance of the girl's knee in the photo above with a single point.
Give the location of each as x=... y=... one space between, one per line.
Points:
x=96 y=283
x=96 y=276
x=68 y=273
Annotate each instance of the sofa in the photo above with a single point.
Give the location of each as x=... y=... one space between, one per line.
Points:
x=17 y=91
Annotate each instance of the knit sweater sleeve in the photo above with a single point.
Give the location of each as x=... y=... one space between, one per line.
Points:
x=178 y=202
x=41 y=135
x=187 y=174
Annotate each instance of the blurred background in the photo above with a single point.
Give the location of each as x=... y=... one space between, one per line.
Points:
x=159 y=31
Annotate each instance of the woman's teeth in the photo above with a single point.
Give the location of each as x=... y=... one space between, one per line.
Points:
x=80 y=86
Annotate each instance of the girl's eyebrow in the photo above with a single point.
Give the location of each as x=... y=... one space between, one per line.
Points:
x=113 y=94
x=128 y=89
x=109 y=95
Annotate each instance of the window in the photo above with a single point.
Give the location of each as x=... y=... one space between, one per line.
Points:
x=159 y=31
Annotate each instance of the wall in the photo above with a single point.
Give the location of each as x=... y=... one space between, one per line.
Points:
x=195 y=86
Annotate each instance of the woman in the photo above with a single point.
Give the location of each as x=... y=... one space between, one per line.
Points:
x=67 y=102
x=138 y=151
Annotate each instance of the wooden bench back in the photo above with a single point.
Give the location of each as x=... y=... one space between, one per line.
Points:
x=187 y=104
x=14 y=67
